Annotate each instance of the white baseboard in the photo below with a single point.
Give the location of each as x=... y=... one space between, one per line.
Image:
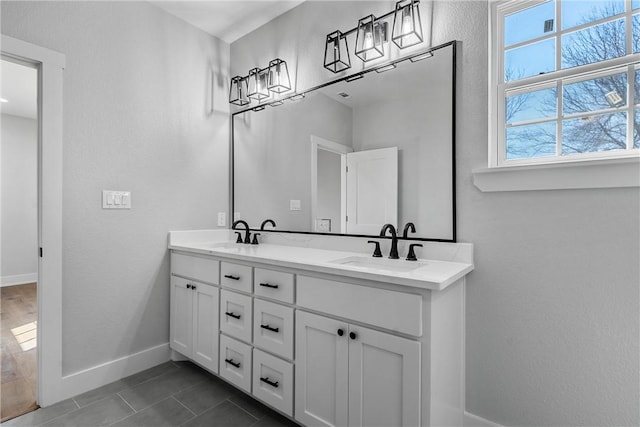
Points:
x=97 y=376
x=471 y=420
x=18 y=279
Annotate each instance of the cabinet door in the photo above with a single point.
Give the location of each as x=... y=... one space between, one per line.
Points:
x=384 y=379
x=181 y=309
x=321 y=370
x=205 y=326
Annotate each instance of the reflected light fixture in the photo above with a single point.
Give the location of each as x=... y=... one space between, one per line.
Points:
x=336 y=52
x=407 y=27
x=260 y=83
x=372 y=34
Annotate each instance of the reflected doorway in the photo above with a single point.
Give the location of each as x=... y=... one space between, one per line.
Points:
x=19 y=237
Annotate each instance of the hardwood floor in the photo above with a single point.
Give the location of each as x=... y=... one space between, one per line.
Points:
x=18 y=314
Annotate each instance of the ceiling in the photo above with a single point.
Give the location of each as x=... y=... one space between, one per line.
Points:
x=19 y=85
x=227 y=20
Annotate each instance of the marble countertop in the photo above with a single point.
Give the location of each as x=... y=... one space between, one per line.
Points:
x=431 y=274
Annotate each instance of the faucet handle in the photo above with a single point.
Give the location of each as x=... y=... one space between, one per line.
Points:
x=411 y=256
x=239 y=239
x=255 y=238
x=376 y=252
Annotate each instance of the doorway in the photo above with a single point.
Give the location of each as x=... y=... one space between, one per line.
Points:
x=19 y=236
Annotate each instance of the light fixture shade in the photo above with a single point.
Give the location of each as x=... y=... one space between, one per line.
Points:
x=278 y=76
x=258 y=84
x=336 y=53
x=238 y=91
x=369 y=39
x=407 y=27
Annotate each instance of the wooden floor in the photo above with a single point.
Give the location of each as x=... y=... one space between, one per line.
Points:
x=18 y=314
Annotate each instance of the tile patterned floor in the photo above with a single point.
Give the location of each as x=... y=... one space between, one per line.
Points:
x=171 y=394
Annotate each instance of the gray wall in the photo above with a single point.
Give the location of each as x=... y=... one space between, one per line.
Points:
x=19 y=202
x=553 y=304
x=138 y=117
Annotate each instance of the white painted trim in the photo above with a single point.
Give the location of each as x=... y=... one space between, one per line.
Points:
x=18 y=279
x=471 y=420
x=105 y=373
x=616 y=173
x=50 y=65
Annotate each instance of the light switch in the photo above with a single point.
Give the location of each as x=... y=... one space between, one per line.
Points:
x=222 y=219
x=116 y=199
x=294 y=205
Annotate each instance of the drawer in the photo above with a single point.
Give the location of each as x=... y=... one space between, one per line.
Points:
x=235 y=362
x=273 y=327
x=205 y=270
x=273 y=381
x=236 y=276
x=235 y=315
x=393 y=310
x=273 y=284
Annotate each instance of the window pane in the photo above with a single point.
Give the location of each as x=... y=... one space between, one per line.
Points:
x=529 y=23
x=529 y=60
x=636 y=96
x=636 y=33
x=603 y=132
x=529 y=141
x=582 y=12
x=635 y=4
x=531 y=105
x=594 y=44
x=595 y=94
x=636 y=130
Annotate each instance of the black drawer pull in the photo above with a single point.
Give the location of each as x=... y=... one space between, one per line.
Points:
x=188 y=286
x=230 y=314
x=232 y=363
x=193 y=287
x=268 y=285
x=229 y=276
x=268 y=381
x=340 y=332
x=352 y=335
x=269 y=328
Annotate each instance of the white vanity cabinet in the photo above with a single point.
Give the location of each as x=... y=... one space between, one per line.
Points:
x=353 y=375
x=194 y=321
x=324 y=349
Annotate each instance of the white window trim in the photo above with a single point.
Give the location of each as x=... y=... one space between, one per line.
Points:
x=565 y=173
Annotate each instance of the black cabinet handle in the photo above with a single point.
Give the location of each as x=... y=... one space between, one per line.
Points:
x=232 y=363
x=269 y=328
x=268 y=285
x=193 y=287
x=188 y=286
x=340 y=332
x=230 y=314
x=352 y=335
x=268 y=381
x=229 y=276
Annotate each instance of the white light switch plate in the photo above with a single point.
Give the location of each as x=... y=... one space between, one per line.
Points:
x=116 y=199
x=294 y=205
x=222 y=219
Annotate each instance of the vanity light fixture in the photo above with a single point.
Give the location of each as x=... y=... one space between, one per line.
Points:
x=370 y=38
x=372 y=34
x=238 y=91
x=421 y=56
x=407 y=27
x=385 y=68
x=296 y=97
x=354 y=78
x=260 y=83
x=258 y=108
x=336 y=52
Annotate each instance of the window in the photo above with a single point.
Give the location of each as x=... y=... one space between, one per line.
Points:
x=565 y=81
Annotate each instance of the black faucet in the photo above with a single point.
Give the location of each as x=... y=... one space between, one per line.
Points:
x=267 y=221
x=394 y=240
x=247 y=236
x=408 y=226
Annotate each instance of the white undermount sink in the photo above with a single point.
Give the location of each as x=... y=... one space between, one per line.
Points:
x=380 y=265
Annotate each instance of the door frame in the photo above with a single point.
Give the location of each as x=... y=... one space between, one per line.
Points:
x=50 y=66
x=318 y=143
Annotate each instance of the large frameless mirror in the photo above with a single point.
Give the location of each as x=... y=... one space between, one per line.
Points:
x=354 y=154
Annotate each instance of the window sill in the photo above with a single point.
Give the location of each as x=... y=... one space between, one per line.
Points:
x=615 y=173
